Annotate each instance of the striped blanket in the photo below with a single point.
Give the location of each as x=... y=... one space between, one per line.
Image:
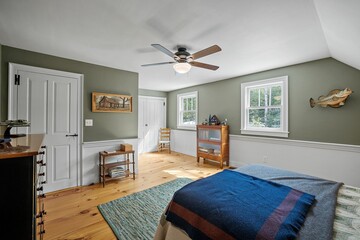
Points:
x=233 y=205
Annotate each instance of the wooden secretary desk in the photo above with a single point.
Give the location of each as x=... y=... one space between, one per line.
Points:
x=213 y=143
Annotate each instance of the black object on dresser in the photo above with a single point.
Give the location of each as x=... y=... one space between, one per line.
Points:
x=20 y=162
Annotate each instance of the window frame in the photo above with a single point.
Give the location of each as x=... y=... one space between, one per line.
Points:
x=282 y=131
x=180 y=97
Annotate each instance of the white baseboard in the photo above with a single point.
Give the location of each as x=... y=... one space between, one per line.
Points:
x=90 y=157
x=338 y=162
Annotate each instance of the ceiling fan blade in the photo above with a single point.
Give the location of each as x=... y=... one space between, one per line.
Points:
x=204 y=65
x=154 y=64
x=206 y=51
x=163 y=49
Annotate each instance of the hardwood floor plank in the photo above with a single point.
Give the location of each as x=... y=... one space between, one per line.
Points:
x=73 y=214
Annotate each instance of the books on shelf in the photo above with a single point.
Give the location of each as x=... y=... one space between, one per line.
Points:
x=117 y=171
x=217 y=151
x=214 y=139
x=203 y=150
x=209 y=150
x=107 y=152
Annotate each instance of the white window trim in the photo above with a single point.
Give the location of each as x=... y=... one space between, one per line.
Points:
x=283 y=132
x=188 y=94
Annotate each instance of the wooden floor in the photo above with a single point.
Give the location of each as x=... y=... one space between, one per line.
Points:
x=73 y=214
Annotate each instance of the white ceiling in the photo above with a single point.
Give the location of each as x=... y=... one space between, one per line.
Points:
x=254 y=35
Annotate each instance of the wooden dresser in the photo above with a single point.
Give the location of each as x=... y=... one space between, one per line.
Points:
x=21 y=176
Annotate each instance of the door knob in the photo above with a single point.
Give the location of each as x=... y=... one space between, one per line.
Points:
x=146 y=125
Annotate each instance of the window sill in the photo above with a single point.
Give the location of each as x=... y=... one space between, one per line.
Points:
x=265 y=133
x=187 y=127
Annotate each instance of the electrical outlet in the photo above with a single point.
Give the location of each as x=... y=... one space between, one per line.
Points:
x=88 y=122
x=265 y=159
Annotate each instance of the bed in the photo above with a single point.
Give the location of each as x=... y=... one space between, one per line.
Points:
x=334 y=214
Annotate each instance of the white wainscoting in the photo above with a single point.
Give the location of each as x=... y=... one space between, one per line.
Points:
x=336 y=162
x=90 y=156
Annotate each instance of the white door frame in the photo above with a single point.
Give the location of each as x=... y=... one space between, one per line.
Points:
x=12 y=100
x=159 y=98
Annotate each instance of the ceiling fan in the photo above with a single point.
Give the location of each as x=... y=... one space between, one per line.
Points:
x=184 y=60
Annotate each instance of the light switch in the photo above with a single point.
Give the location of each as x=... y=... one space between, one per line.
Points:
x=88 y=122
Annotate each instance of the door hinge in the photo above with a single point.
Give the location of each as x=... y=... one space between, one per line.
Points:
x=164 y=103
x=17 y=79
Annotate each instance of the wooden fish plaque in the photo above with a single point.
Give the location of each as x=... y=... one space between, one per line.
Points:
x=335 y=98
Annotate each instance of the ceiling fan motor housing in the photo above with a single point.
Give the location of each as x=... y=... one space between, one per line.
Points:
x=182 y=55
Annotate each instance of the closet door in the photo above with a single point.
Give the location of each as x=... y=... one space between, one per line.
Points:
x=50 y=100
x=152 y=117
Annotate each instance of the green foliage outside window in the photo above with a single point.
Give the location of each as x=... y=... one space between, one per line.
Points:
x=265 y=107
x=189 y=110
x=189 y=117
x=189 y=104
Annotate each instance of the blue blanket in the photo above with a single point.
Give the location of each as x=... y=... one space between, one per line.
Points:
x=233 y=205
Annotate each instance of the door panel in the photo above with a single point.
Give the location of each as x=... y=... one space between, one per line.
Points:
x=32 y=95
x=61 y=99
x=62 y=161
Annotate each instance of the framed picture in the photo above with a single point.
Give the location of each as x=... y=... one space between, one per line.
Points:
x=107 y=102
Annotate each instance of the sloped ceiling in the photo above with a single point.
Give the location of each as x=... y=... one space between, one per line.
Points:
x=254 y=35
x=340 y=21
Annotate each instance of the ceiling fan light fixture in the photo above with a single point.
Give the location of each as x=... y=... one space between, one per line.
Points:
x=182 y=67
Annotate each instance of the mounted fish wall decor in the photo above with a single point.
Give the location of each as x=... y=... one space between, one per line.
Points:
x=335 y=98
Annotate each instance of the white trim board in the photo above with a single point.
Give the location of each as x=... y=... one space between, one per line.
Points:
x=338 y=162
x=90 y=153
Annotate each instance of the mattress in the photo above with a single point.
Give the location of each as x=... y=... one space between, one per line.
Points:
x=346 y=222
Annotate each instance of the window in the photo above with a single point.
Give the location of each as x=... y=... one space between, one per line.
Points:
x=187 y=110
x=264 y=107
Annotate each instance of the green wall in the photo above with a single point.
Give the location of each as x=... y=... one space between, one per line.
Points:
x=107 y=126
x=312 y=79
x=152 y=93
x=1 y=98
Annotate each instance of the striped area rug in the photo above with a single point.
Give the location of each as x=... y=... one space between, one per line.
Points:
x=136 y=216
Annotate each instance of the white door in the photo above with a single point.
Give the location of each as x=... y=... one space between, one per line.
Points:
x=50 y=100
x=152 y=117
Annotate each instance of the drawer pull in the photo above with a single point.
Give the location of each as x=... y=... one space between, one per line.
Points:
x=41 y=214
x=42 y=195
